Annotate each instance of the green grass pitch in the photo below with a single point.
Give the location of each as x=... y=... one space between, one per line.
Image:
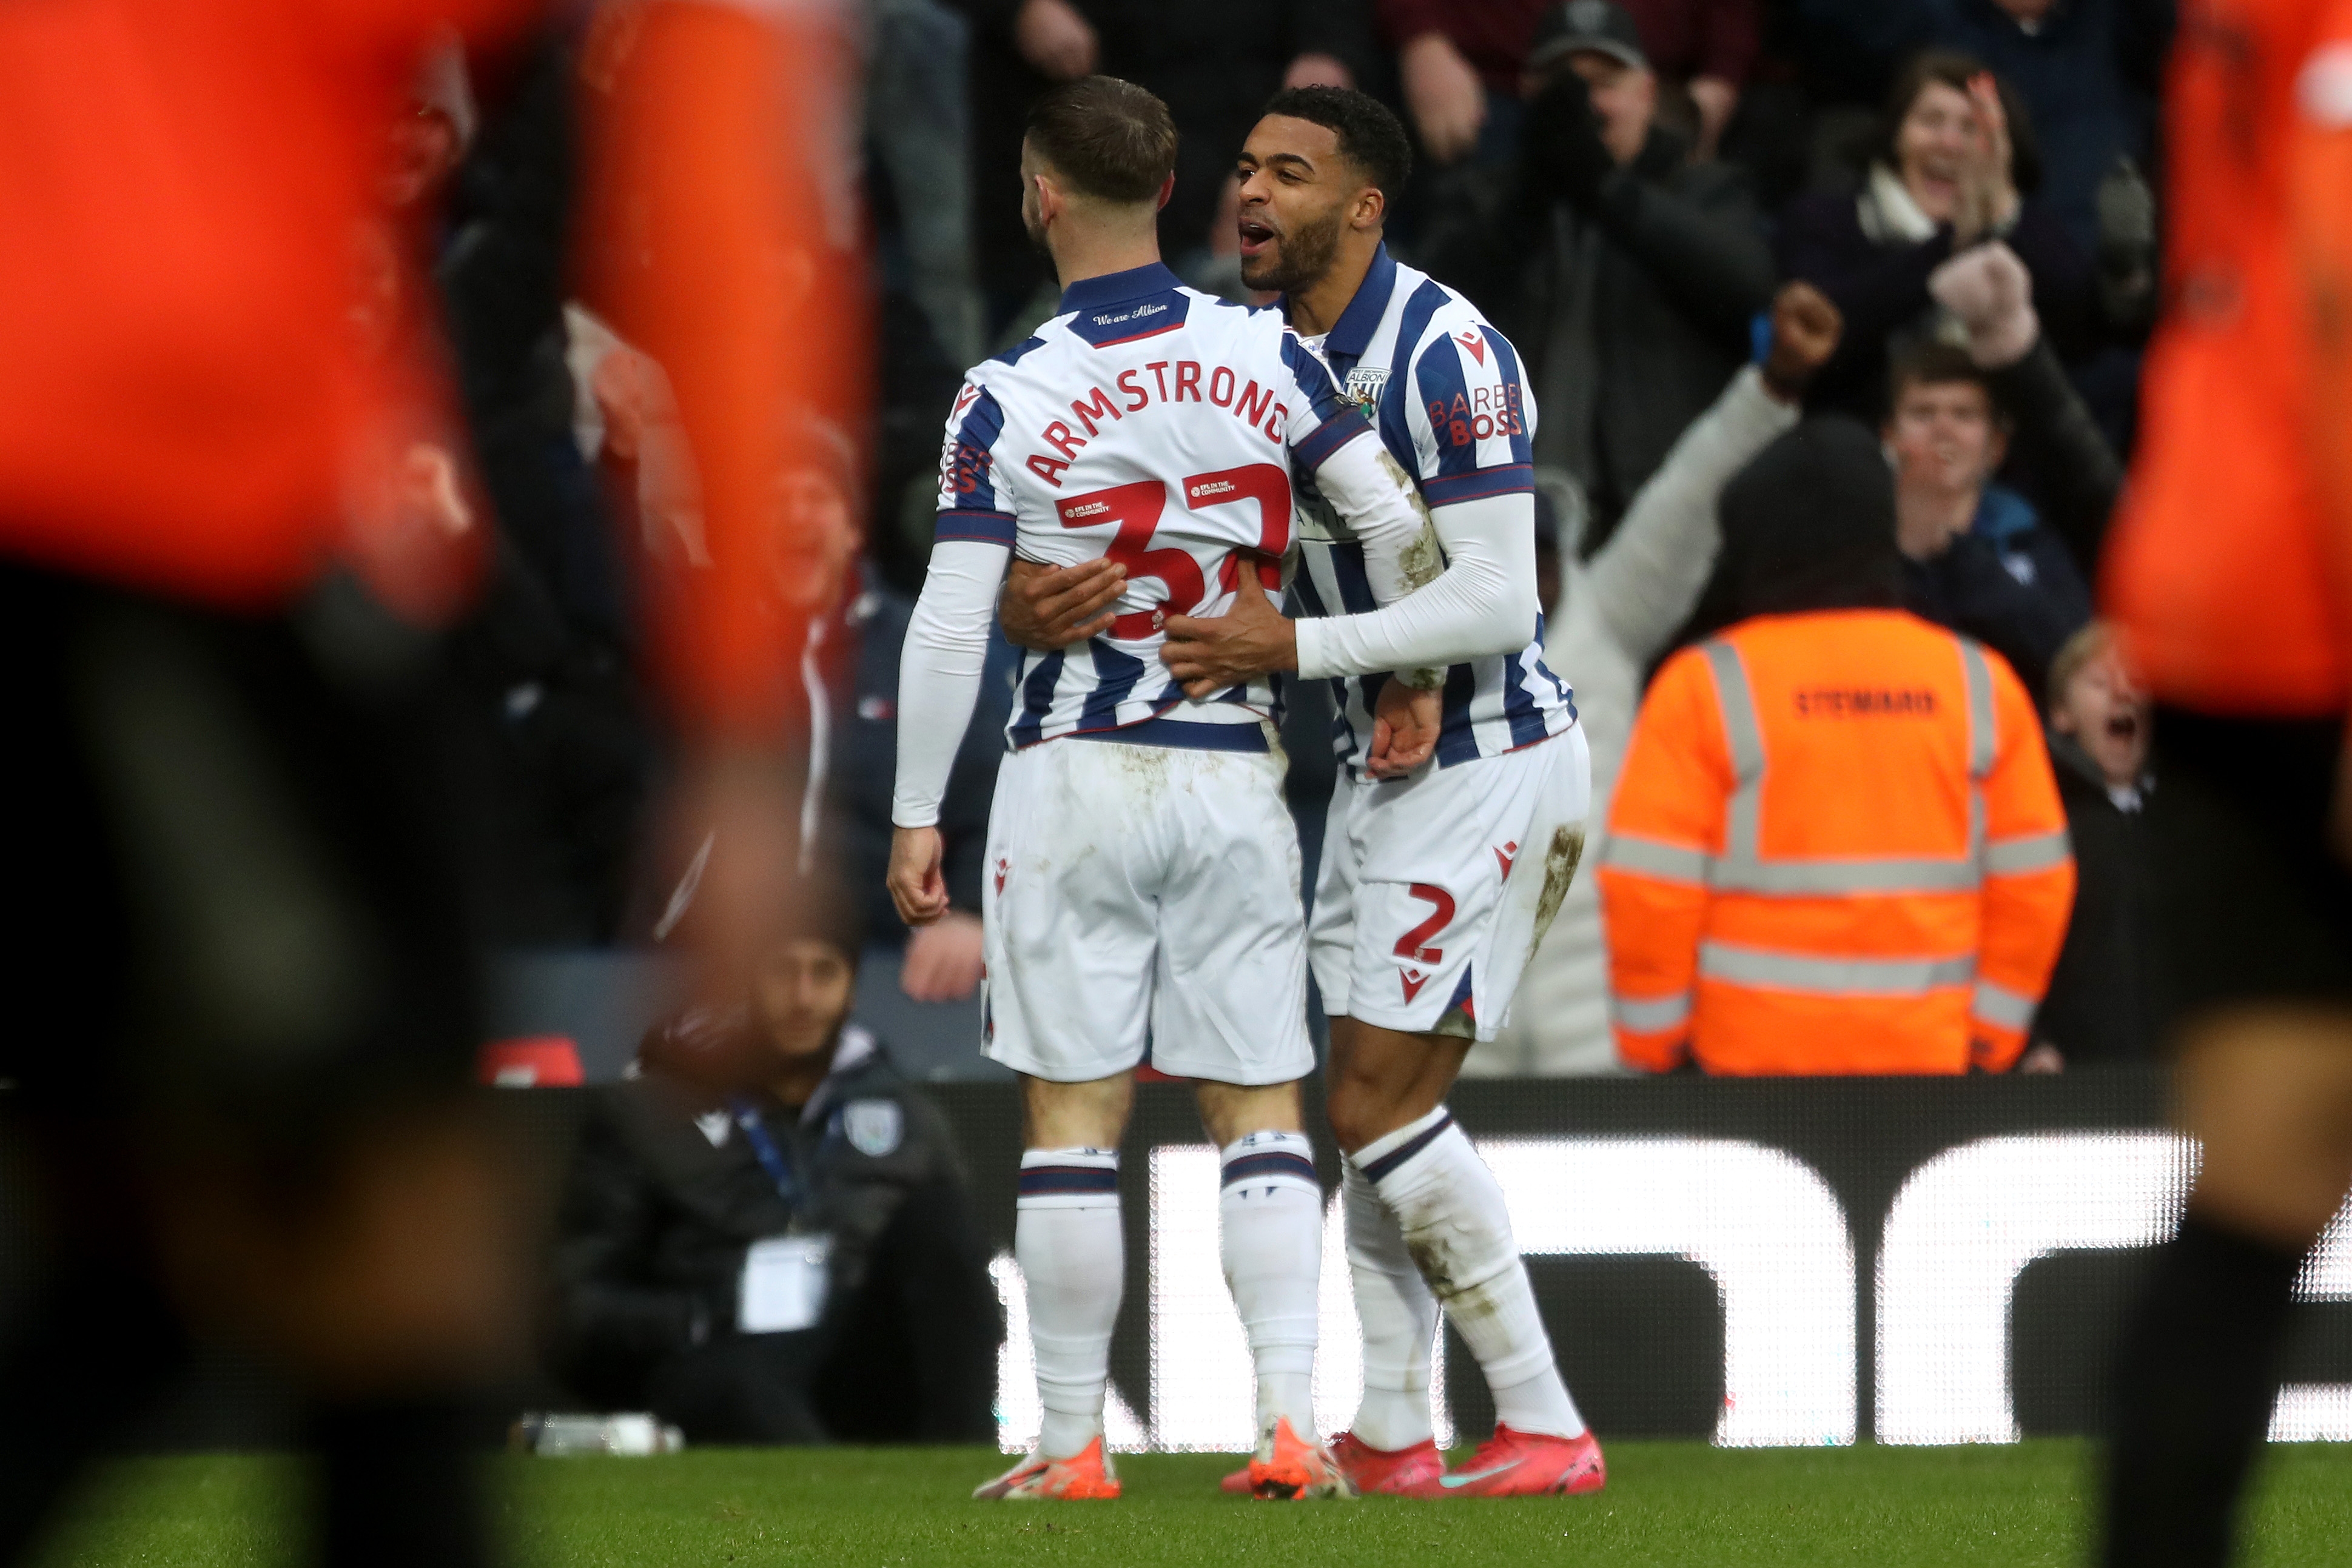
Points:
x=1667 y=1503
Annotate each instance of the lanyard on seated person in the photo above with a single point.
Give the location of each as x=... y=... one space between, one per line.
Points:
x=771 y=1157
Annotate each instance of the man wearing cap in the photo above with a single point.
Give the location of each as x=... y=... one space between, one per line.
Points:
x=1627 y=275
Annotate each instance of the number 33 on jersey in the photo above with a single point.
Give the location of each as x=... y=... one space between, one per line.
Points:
x=1158 y=426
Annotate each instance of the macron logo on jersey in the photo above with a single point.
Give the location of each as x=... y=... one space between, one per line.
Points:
x=1476 y=341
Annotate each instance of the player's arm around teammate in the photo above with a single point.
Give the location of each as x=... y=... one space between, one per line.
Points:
x=1145 y=873
x=1433 y=887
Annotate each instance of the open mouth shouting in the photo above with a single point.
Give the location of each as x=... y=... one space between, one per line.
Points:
x=1256 y=234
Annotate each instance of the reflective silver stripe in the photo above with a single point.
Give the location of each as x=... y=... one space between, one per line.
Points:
x=1981 y=731
x=2029 y=851
x=1832 y=976
x=1656 y=858
x=1745 y=812
x=1648 y=1017
x=1832 y=877
x=1999 y=1005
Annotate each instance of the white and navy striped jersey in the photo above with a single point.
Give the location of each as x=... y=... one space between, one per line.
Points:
x=1158 y=426
x=1446 y=395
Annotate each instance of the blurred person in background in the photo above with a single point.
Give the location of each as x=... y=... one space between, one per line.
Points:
x=2102 y=1006
x=1976 y=557
x=765 y=1235
x=2226 y=573
x=1459 y=65
x=1213 y=64
x=247 y=1014
x=1955 y=164
x=1836 y=846
x=1611 y=619
x=2086 y=70
x=1628 y=276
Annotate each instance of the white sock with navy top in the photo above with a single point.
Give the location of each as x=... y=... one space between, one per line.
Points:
x=1449 y=1212
x=1073 y=1258
x=1270 y=1231
x=1400 y=1322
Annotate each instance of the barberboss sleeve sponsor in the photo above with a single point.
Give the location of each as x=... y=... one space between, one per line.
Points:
x=1477 y=414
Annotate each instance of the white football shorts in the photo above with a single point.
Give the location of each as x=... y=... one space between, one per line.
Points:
x=1144 y=896
x=1436 y=889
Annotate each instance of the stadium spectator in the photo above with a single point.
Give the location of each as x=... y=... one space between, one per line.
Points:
x=765 y=1236
x=918 y=123
x=2086 y=70
x=2100 y=1008
x=1625 y=274
x=1619 y=611
x=1976 y=557
x=1955 y=164
x=2058 y=452
x=1836 y=846
x=942 y=960
x=1213 y=63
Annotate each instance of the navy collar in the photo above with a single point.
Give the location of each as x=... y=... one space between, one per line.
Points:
x=1117 y=287
x=1352 y=333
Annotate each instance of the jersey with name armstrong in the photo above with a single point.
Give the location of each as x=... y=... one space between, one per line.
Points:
x=1158 y=426
x=1446 y=395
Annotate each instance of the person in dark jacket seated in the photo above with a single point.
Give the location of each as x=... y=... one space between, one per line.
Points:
x=2098 y=1009
x=766 y=1237
x=1978 y=558
x=1627 y=275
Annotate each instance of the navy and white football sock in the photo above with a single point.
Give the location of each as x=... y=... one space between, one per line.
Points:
x=1400 y=1322
x=1073 y=1258
x=1455 y=1224
x=1270 y=1232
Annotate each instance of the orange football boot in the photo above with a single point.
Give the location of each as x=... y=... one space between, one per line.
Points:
x=1085 y=1475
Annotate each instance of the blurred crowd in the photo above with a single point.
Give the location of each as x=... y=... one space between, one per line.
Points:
x=1624 y=187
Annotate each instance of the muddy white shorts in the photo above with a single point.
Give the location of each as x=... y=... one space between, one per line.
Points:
x=1436 y=889
x=1144 y=896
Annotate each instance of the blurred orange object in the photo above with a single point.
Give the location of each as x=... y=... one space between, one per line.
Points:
x=531 y=1061
x=185 y=408
x=2230 y=563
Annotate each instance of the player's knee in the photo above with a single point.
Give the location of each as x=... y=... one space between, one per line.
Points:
x=1356 y=1111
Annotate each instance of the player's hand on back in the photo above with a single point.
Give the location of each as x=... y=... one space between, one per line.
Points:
x=1247 y=641
x=1405 y=721
x=1046 y=608
x=918 y=886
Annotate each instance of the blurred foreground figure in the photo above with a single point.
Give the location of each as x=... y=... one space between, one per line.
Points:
x=244 y=984
x=2228 y=573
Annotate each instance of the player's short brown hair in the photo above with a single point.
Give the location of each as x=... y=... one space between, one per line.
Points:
x=1106 y=139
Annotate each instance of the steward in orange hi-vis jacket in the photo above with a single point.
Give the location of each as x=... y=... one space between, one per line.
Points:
x=1836 y=846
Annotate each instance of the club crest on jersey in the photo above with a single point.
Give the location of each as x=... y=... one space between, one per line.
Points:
x=874 y=1127
x=1364 y=386
x=1473 y=340
x=1412 y=980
